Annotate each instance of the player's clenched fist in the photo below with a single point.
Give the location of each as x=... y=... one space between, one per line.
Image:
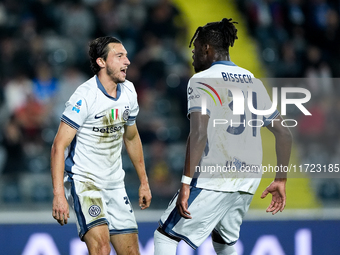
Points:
x=60 y=210
x=144 y=196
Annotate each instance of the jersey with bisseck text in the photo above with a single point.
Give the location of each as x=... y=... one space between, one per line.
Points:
x=94 y=155
x=232 y=158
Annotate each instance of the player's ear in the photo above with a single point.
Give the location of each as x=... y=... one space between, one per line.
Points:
x=100 y=62
x=206 y=48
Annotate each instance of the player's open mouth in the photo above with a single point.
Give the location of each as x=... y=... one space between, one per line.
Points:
x=123 y=71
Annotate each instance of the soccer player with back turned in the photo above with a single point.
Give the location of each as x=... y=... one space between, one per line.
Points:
x=216 y=202
x=86 y=162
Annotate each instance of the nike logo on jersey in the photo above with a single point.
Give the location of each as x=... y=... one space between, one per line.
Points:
x=99 y=115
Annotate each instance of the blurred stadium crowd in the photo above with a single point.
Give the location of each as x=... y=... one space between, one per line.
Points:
x=43 y=47
x=299 y=41
x=43 y=58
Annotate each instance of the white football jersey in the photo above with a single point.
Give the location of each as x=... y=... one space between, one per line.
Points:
x=95 y=153
x=233 y=155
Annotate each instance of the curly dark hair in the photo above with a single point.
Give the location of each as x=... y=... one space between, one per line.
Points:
x=221 y=35
x=99 y=49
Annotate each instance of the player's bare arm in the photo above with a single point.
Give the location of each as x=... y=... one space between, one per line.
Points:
x=60 y=208
x=283 y=144
x=197 y=139
x=134 y=148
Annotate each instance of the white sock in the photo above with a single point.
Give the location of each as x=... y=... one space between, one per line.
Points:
x=164 y=245
x=224 y=249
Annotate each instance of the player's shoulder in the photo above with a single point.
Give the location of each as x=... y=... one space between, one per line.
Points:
x=234 y=69
x=128 y=87
x=86 y=92
x=229 y=67
x=222 y=66
x=88 y=87
x=202 y=74
x=244 y=71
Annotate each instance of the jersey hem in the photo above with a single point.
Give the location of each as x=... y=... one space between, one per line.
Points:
x=95 y=223
x=174 y=234
x=197 y=109
x=123 y=231
x=269 y=120
x=69 y=122
x=226 y=190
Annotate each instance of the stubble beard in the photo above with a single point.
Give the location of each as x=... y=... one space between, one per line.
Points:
x=114 y=78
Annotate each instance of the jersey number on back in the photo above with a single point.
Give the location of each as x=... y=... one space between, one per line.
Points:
x=243 y=121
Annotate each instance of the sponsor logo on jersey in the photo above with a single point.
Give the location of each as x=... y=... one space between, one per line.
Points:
x=193 y=97
x=76 y=108
x=190 y=90
x=237 y=163
x=99 y=115
x=242 y=166
x=209 y=93
x=108 y=130
x=115 y=114
x=94 y=210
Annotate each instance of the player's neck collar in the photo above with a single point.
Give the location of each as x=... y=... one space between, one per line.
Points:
x=224 y=62
x=101 y=87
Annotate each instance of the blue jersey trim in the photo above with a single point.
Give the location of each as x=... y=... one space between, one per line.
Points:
x=196 y=109
x=174 y=217
x=77 y=208
x=124 y=231
x=69 y=122
x=184 y=238
x=69 y=162
x=126 y=87
x=230 y=244
x=130 y=122
x=226 y=62
x=193 y=182
x=101 y=87
x=269 y=120
x=95 y=223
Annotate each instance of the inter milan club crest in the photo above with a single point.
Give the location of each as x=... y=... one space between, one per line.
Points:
x=94 y=210
x=126 y=114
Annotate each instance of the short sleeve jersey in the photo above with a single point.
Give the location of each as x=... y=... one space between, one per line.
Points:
x=233 y=155
x=94 y=155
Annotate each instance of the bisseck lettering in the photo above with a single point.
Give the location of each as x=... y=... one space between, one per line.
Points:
x=237 y=77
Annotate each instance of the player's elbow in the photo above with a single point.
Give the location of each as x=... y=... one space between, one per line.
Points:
x=199 y=136
x=285 y=135
x=56 y=148
x=203 y=138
